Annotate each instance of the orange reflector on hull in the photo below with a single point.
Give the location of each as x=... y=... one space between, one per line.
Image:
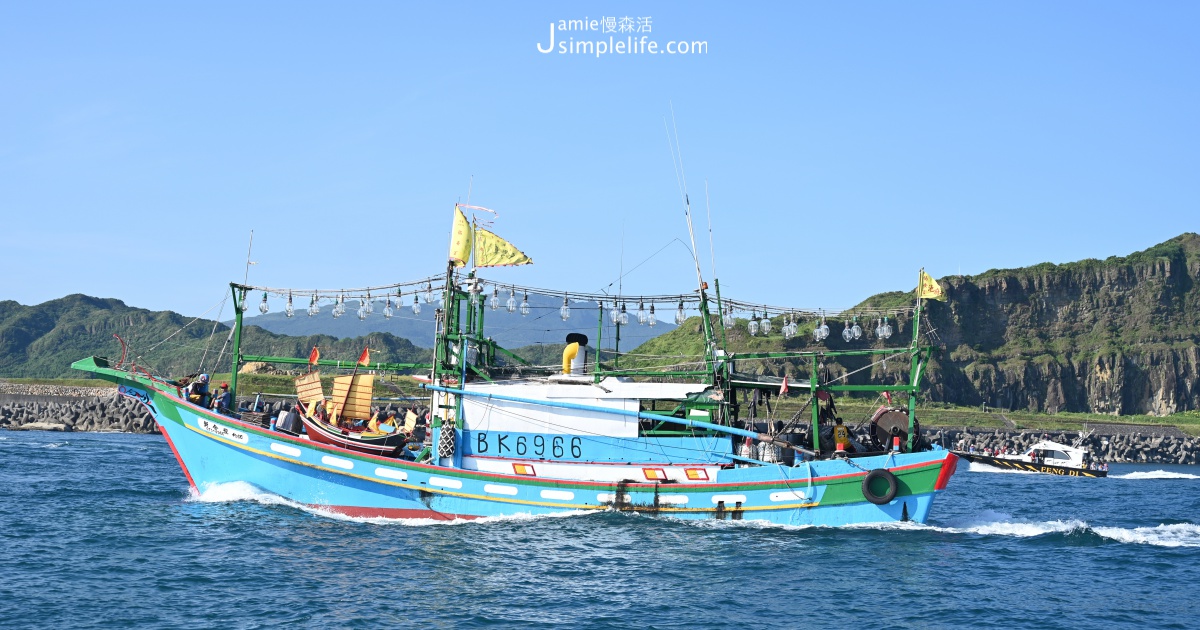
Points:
x=524 y=469
x=654 y=474
x=697 y=474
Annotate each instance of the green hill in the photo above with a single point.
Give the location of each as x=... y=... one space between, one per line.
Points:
x=43 y=340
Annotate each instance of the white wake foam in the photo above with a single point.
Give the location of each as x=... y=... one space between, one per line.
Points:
x=1177 y=535
x=233 y=491
x=1155 y=474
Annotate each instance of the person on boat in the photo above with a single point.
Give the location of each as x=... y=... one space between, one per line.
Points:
x=223 y=400
x=841 y=435
x=290 y=422
x=198 y=391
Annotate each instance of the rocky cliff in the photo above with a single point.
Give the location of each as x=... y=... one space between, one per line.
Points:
x=1116 y=336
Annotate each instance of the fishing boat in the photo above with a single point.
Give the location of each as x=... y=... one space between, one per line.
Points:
x=1047 y=457
x=602 y=431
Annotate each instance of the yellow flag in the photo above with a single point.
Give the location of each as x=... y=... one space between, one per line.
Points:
x=460 y=239
x=493 y=251
x=929 y=288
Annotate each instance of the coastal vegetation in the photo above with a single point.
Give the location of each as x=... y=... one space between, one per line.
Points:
x=1052 y=343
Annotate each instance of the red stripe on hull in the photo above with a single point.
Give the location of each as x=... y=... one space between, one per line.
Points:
x=178 y=458
x=392 y=513
x=948 y=470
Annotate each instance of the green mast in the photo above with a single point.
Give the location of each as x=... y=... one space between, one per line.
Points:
x=239 y=303
x=917 y=364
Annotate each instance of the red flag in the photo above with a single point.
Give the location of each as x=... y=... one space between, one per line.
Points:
x=365 y=357
x=314 y=356
x=783 y=389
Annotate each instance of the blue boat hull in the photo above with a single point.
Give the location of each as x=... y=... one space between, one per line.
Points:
x=214 y=449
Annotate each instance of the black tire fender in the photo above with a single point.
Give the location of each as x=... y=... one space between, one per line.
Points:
x=880 y=473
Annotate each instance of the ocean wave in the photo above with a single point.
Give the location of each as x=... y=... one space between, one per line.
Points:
x=1175 y=535
x=54 y=444
x=1155 y=474
x=233 y=491
x=999 y=524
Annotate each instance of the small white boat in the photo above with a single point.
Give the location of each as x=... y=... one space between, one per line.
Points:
x=1045 y=457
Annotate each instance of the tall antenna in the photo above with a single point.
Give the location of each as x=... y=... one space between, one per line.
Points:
x=712 y=252
x=246 y=278
x=621 y=268
x=681 y=180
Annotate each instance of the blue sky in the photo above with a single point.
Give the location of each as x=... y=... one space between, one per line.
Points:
x=844 y=145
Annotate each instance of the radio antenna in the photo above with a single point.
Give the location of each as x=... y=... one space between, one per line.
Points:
x=681 y=180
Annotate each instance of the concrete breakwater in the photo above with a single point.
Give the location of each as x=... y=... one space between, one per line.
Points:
x=55 y=408
x=59 y=408
x=1110 y=443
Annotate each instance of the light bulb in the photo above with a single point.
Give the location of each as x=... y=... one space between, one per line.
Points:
x=624 y=316
x=289 y=310
x=387 y=309
x=565 y=311
x=847 y=334
x=428 y=292
x=728 y=319
x=416 y=305
x=370 y=307
x=495 y=301
x=614 y=315
x=752 y=325
x=680 y=317
x=362 y=312
x=262 y=306
x=765 y=325
x=856 y=330
x=641 y=312
x=511 y=305
x=824 y=330
x=340 y=307
x=525 y=305
x=313 y=307
x=652 y=319
x=887 y=328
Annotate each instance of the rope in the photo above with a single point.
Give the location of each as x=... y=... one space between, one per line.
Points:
x=221 y=303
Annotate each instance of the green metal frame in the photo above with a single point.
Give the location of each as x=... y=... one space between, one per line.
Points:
x=460 y=323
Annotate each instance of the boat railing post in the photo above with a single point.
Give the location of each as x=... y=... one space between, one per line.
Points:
x=599 y=342
x=814 y=383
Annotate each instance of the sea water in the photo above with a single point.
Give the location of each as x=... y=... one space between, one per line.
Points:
x=101 y=530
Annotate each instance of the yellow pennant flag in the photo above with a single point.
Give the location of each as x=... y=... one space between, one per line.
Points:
x=460 y=239
x=929 y=288
x=493 y=251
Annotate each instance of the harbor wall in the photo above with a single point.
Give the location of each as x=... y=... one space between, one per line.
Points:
x=56 y=408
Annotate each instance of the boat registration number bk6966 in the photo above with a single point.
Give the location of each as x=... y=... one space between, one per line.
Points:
x=223 y=431
x=556 y=446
